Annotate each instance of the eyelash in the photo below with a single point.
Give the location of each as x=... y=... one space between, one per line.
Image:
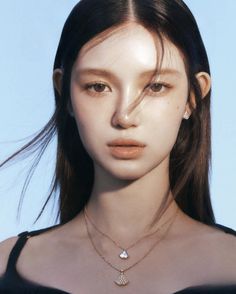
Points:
x=163 y=85
x=87 y=87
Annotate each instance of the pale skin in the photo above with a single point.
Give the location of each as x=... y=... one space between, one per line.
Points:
x=127 y=193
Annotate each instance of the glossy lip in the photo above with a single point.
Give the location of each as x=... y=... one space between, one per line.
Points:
x=126 y=142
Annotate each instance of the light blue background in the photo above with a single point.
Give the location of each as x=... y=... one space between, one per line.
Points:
x=29 y=35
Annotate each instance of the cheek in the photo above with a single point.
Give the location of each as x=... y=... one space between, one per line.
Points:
x=85 y=115
x=84 y=119
x=164 y=122
x=89 y=125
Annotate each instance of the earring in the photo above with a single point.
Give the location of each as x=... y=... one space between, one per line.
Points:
x=186 y=115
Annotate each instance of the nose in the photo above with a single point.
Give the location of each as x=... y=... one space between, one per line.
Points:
x=125 y=115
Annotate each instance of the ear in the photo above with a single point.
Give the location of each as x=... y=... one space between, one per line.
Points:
x=204 y=81
x=57 y=82
x=57 y=79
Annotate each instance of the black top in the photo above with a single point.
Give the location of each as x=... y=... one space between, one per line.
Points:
x=12 y=283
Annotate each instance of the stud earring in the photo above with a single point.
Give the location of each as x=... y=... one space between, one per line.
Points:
x=186 y=115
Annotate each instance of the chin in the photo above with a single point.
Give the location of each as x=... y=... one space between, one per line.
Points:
x=124 y=169
x=127 y=173
x=127 y=177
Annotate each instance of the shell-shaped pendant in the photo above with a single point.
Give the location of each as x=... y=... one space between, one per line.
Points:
x=124 y=254
x=122 y=279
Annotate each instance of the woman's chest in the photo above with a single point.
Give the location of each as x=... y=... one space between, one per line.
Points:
x=164 y=271
x=171 y=266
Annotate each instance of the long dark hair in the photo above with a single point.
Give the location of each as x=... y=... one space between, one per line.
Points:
x=190 y=158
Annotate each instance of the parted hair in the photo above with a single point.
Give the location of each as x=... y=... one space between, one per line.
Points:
x=190 y=158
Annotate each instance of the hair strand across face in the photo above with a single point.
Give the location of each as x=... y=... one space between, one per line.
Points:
x=89 y=23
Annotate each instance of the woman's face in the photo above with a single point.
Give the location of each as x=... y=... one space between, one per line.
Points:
x=107 y=78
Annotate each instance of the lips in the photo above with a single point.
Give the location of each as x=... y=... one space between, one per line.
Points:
x=126 y=142
x=126 y=148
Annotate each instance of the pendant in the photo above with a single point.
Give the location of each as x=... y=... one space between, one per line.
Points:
x=124 y=254
x=122 y=280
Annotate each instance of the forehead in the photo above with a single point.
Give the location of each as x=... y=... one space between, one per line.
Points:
x=131 y=49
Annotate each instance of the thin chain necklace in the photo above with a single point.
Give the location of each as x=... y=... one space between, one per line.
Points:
x=124 y=251
x=122 y=280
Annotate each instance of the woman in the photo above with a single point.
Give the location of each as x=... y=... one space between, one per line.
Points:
x=132 y=87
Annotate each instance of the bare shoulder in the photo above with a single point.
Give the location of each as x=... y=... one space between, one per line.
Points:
x=214 y=245
x=223 y=241
x=220 y=247
x=225 y=244
x=5 y=249
x=218 y=239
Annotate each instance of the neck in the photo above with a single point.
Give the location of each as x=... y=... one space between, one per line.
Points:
x=125 y=209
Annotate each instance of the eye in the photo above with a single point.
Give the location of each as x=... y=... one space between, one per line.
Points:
x=157 y=88
x=97 y=87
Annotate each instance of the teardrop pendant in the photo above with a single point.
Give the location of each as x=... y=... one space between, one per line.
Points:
x=122 y=279
x=124 y=254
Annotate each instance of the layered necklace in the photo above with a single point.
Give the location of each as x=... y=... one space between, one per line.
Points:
x=122 y=279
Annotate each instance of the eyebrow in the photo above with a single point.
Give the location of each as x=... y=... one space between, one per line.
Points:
x=109 y=74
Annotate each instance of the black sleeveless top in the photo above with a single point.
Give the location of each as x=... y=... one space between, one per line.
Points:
x=12 y=283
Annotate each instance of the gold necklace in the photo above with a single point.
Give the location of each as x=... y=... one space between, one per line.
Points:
x=122 y=280
x=124 y=251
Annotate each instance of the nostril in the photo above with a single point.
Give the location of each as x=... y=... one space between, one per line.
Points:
x=122 y=120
